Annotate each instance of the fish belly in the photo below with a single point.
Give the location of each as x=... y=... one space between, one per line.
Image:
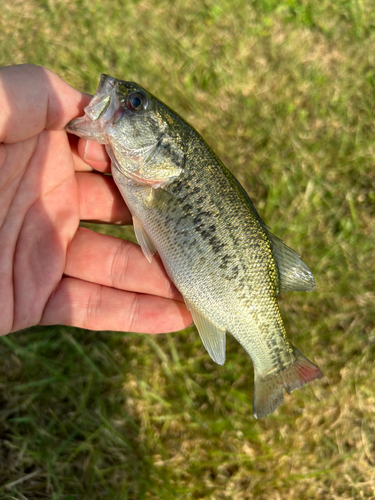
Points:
x=235 y=297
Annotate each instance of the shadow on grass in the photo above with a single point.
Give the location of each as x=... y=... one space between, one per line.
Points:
x=64 y=428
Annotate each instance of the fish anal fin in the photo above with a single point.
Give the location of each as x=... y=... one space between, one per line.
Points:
x=268 y=389
x=143 y=240
x=213 y=338
x=268 y=394
x=293 y=272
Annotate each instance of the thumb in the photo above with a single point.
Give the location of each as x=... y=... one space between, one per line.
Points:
x=33 y=98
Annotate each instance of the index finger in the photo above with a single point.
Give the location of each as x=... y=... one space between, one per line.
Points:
x=89 y=155
x=33 y=98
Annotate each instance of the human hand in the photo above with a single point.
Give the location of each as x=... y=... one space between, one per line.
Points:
x=52 y=271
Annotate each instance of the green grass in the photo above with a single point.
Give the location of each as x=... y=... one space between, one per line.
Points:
x=284 y=91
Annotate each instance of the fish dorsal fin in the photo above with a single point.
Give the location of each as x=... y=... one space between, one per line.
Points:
x=213 y=338
x=143 y=240
x=293 y=272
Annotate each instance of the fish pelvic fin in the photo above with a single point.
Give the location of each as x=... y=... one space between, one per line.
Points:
x=143 y=240
x=213 y=337
x=268 y=389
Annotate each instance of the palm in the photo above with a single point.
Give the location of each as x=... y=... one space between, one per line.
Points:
x=51 y=271
x=43 y=216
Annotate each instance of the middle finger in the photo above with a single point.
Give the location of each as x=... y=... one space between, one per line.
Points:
x=100 y=200
x=117 y=263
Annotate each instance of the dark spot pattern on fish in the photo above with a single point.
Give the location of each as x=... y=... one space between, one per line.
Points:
x=235 y=271
x=213 y=242
x=199 y=201
x=206 y=231
x=201 y=216
x=216 y=244
x=225 y=259
x=187 y=208
x=194 y=190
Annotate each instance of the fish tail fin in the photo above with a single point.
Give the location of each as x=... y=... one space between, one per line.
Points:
x=268 y=389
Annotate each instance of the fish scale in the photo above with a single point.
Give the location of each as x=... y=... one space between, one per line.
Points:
x=215 y=247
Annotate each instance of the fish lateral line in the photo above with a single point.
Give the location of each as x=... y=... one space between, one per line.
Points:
x=150 y=147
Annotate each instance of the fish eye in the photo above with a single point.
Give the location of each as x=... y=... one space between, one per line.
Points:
x=136 y=101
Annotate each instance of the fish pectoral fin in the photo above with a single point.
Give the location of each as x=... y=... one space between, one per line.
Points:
x=143 y=240
x=160 y=177
x=156 y=182
x=163 y=164
x=268 y=388
x=293 y=272
x=213 y=338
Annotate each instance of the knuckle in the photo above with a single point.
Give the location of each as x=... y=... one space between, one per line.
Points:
x=133 y=314
x=93 y=307
x=119 y=265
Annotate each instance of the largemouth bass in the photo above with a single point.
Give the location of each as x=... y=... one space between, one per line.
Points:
x=213 y=243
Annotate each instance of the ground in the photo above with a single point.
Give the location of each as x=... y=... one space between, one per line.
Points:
x=283 y=90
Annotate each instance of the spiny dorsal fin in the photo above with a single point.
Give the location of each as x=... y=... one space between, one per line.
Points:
x=213 y=338
x=293 y=272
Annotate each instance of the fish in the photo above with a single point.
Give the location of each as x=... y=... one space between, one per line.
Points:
x=187 y=206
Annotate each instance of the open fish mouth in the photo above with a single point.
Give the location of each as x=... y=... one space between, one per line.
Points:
x=101 y=110
x=215 y=247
